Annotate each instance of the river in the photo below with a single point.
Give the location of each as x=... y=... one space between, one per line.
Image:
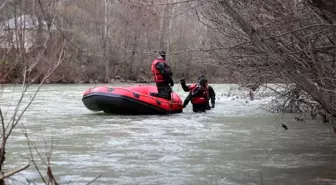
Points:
x=237 y=143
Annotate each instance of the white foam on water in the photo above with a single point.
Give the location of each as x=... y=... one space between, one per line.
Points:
x=226 y=145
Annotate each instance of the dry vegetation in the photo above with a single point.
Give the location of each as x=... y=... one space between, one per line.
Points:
x=108 y=40
x=289 y=42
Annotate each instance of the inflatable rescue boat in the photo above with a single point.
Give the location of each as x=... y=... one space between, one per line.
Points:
x=130 y=100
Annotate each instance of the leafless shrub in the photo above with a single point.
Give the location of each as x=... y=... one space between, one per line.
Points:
x=289 y=42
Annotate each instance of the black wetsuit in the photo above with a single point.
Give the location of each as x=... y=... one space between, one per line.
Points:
x=197 y=92
x=212 y=94
x=164 y=89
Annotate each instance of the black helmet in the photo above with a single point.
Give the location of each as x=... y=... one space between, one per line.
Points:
x=201 y=77
x=203 y=82
x=162 y=54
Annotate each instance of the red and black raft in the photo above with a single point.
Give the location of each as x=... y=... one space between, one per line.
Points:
x=130 y=100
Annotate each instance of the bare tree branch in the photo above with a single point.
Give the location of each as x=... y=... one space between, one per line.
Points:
x=13 y=172
x=94 y=179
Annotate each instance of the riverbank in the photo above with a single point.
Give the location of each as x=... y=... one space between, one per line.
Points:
x=141 y=80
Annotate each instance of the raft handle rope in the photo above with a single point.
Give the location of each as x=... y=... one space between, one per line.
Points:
x=136 y=95
x=172 y=102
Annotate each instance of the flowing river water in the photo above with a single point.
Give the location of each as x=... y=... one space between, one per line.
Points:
x=235 y=143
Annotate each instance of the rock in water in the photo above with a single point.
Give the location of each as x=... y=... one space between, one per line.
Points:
x=284 y=126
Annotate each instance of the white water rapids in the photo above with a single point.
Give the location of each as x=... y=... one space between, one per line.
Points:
x=235 y=143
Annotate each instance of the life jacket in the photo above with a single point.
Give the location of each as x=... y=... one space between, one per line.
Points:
x=158 y=77
x=192 y=86
x=201 y=99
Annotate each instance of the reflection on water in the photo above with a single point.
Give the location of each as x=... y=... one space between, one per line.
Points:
x=236 y=143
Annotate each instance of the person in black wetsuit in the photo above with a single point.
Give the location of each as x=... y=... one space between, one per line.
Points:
x=162 y=75
x=198 y=96
x=211 y=92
